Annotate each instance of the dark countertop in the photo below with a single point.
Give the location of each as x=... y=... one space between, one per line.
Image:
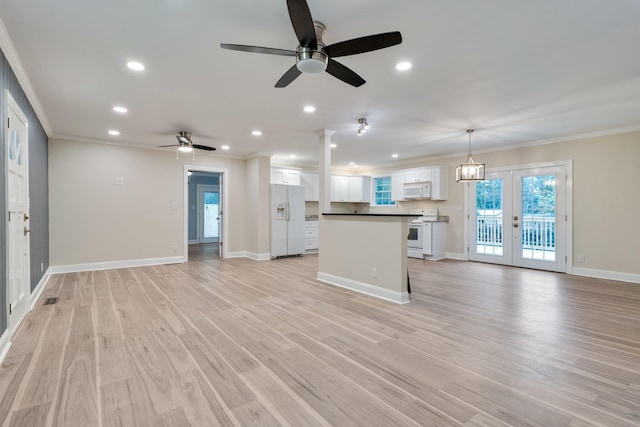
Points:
x=371 y=214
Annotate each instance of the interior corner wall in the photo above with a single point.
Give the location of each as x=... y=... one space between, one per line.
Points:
x=95 y=220
x=38 y=186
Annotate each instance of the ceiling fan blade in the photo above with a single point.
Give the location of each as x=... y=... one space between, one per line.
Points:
x=345 y=74
x=291 y=74
x=302 y=22
x=258 y=49
x=364 y=44
x=203 y=147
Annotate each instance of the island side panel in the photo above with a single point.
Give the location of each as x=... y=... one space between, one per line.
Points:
x=351 y=247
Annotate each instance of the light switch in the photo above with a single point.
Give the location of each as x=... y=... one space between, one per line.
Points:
x=119 y=181
x=174 y=206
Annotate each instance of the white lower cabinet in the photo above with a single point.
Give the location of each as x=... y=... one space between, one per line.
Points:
x=434 y=240
x=311 y=229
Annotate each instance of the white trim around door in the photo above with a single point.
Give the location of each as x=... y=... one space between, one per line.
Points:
x=224 y=193
x=563 y=173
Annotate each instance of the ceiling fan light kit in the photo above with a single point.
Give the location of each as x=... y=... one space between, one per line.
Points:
x=363 y=126
x=185 y=145
x=471 y=171
x=312 y=55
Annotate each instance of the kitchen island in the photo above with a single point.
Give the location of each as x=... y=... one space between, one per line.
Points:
x=366 y=253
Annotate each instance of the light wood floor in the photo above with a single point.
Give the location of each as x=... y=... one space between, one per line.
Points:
x=203 y=251
x=239 y=342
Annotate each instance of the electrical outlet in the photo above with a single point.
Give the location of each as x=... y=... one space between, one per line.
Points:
x=41 y=267
x=580 y=259
x=374 y=272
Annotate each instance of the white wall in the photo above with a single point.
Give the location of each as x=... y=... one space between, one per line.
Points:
x=606 y=201
x=92 y=220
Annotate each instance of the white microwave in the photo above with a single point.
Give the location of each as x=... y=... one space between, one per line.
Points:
x=417 y=190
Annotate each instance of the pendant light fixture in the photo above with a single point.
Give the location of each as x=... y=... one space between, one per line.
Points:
x=470 y=171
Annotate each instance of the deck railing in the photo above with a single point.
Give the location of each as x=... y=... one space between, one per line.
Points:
x=537 y=233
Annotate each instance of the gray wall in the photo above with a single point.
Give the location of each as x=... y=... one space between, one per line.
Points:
x=38 y=187
x=194 y=180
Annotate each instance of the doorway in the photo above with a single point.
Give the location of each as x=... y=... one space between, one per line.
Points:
x=205 y=229
x=18 y=245
x=520 y=217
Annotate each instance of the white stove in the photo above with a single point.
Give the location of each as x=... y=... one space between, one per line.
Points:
x=415 y=240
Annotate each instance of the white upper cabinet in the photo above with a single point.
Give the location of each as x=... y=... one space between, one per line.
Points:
x=353 y=189
x=397 y=186
x=285 y=176
x=417 y=175
x=439 y=183
x=311 y=183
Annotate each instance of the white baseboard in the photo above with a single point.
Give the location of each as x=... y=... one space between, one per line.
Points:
x=5 y=343
x=364 y=288
x=456 y=255
x=606 y=274
x=109 y=265
x=251 y=255
x=40 y=287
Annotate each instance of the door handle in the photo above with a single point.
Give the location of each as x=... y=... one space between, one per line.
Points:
x=515 y=225
x=26 y=217
x=26 y=230
x=515 y=218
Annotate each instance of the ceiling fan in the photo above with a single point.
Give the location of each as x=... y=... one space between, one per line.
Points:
x=185 y=144
x=312 y=55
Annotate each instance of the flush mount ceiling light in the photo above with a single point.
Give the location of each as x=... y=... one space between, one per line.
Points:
x=403 y=66
x=256 y=133
x=333 y=145
x=114 y=133
x=470 y=171
x=363 y=126
x=135 y=66
x=395 y=156
x=309 y=109
x=225 y=147
x=119 y=109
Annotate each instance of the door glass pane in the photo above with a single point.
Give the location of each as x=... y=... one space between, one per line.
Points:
x=489 y=199
x=539 y=217
x=211 y=205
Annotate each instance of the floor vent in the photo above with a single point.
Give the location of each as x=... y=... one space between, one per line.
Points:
x=50 y=301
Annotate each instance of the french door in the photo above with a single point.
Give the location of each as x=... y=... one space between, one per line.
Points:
x=519 y=217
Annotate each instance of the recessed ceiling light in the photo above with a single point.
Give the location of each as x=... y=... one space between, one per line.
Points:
x=114 y=133
x=293 y=156
x=351 y=163
x=136 y=66
x=333 y=145
x=225 y=147
x=394 y=156
x=403 y=66
x=309 y=109
x=119 y=109
x=256 y=133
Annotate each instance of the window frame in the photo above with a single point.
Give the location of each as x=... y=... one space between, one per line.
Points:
x=373 y=203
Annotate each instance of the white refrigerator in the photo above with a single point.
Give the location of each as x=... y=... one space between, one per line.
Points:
x=287 y=220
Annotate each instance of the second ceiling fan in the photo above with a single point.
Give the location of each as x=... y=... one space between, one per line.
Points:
x=312 y=55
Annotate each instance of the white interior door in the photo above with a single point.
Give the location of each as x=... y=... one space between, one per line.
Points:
x=208 y=213
x=519 y=217
x=18 y=291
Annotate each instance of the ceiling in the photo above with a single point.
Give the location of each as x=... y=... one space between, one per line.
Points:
x=518 y=72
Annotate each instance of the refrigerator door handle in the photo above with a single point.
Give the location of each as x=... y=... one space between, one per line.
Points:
x=287 y=210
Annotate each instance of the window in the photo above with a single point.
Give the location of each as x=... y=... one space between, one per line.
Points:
x=382 y=191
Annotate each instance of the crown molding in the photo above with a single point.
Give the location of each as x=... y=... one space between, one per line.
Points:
x=16 y=65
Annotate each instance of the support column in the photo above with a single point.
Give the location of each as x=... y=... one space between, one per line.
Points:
x=324 y=169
